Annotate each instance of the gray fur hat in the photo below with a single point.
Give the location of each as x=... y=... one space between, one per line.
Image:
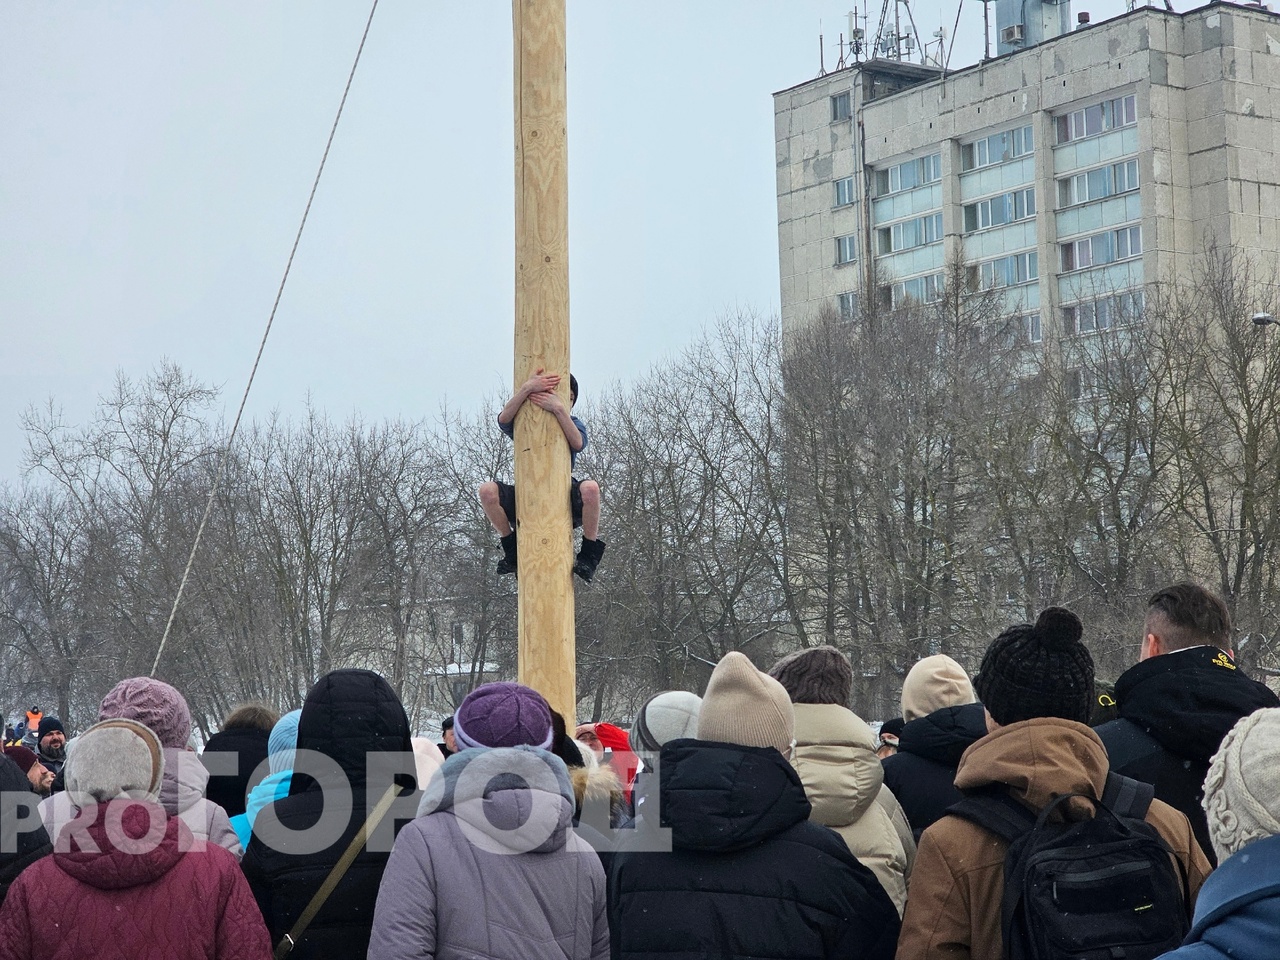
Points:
x=115 y=758
x=670 y=715
x=816 y=675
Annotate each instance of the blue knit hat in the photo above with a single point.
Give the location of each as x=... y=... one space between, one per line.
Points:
x=283 y=742
x=503 y=715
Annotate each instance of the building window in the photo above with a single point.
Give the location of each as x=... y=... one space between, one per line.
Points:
x=840 y=107
x=844 y=192
x=847 y=305
x=997 y=148
x=910 y=233
x=1004 y=271
x=1102 y=248
x=920 y=289
x=1079 y=384
x=994 y=211
x=1098 y=183
x=846 y=250
x=1031 y=327
x=1102 y=314
x=909 y=175
x=1097 y=118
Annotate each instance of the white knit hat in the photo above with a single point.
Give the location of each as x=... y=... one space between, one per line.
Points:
x=744 y=706
x=1242 y=790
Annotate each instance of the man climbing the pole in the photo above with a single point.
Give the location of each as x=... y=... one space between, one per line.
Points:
x=499 y=499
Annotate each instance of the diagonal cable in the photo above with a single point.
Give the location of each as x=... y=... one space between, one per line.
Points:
x=226 y=452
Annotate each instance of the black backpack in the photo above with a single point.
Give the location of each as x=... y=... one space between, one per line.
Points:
x=1099 y=889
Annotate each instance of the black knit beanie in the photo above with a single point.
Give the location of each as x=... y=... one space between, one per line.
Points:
x=1040 y=671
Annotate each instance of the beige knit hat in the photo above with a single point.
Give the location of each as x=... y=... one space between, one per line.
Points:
x=746 y=707
x=933 y=683
x=1242 y=789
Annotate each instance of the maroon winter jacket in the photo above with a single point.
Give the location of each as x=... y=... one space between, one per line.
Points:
x=173 y=902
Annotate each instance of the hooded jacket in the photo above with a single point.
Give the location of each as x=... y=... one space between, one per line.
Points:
x=27 y=846
x=348 y=714
x=922 y=773
x=1174 y=711
x=749 y=875
x=1238 y=912
x=492 y=868
x=113 y=904
x=844 y=781
x=958 y=882
x=181 y=795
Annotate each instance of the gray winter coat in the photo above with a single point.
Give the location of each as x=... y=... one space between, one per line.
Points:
x=491 y=868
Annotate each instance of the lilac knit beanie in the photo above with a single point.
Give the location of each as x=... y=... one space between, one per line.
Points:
x=503 y=715
x=153 y=703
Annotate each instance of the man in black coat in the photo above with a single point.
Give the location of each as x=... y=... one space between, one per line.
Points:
x=23 y=839
x=1180 y=699
x=748 y=875
x=351 y=717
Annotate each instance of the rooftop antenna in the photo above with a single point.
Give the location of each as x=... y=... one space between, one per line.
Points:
x=857 y=36
x=822 y=55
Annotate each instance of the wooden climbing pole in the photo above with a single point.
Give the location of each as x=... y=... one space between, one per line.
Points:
x=545 y=534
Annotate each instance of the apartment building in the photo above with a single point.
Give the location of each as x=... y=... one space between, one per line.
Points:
x=1066 y=172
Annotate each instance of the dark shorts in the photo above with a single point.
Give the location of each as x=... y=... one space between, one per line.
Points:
x=507 y=497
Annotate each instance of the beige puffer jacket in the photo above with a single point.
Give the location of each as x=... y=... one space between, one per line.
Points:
x=836 y=759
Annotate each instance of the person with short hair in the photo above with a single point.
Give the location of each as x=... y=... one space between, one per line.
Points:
x=243 y=737
x=1177 y=703
x=499 y=499
x=448 y=745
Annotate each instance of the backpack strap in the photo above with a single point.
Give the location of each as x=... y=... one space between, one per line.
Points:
x=1126 y=797
x=996 y=812
x=285 y=946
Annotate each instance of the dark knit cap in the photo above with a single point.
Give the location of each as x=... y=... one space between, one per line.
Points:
x=23 y=757
x=1040 y=671
x=48 y=725
x=815 y=675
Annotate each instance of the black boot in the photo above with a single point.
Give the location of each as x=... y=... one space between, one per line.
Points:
x=508 y=562
x=588 y=558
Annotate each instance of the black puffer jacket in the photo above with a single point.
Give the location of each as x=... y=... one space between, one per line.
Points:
x=20 y=851
x=249 y=746
x=347 y=714
x=1174 y=711
x=749 y=875
x=922 y=773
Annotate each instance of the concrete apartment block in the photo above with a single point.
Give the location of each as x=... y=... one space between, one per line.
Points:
x=1079 y=167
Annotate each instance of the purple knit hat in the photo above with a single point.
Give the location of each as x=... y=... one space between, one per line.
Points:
x=152 y=703
x=503 y=715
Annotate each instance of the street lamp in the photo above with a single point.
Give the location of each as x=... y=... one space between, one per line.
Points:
x=1263 y=319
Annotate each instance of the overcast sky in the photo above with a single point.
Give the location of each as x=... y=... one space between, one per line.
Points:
x=155 y=159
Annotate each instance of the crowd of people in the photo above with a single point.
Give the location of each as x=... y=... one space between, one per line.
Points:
x=763 y=818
